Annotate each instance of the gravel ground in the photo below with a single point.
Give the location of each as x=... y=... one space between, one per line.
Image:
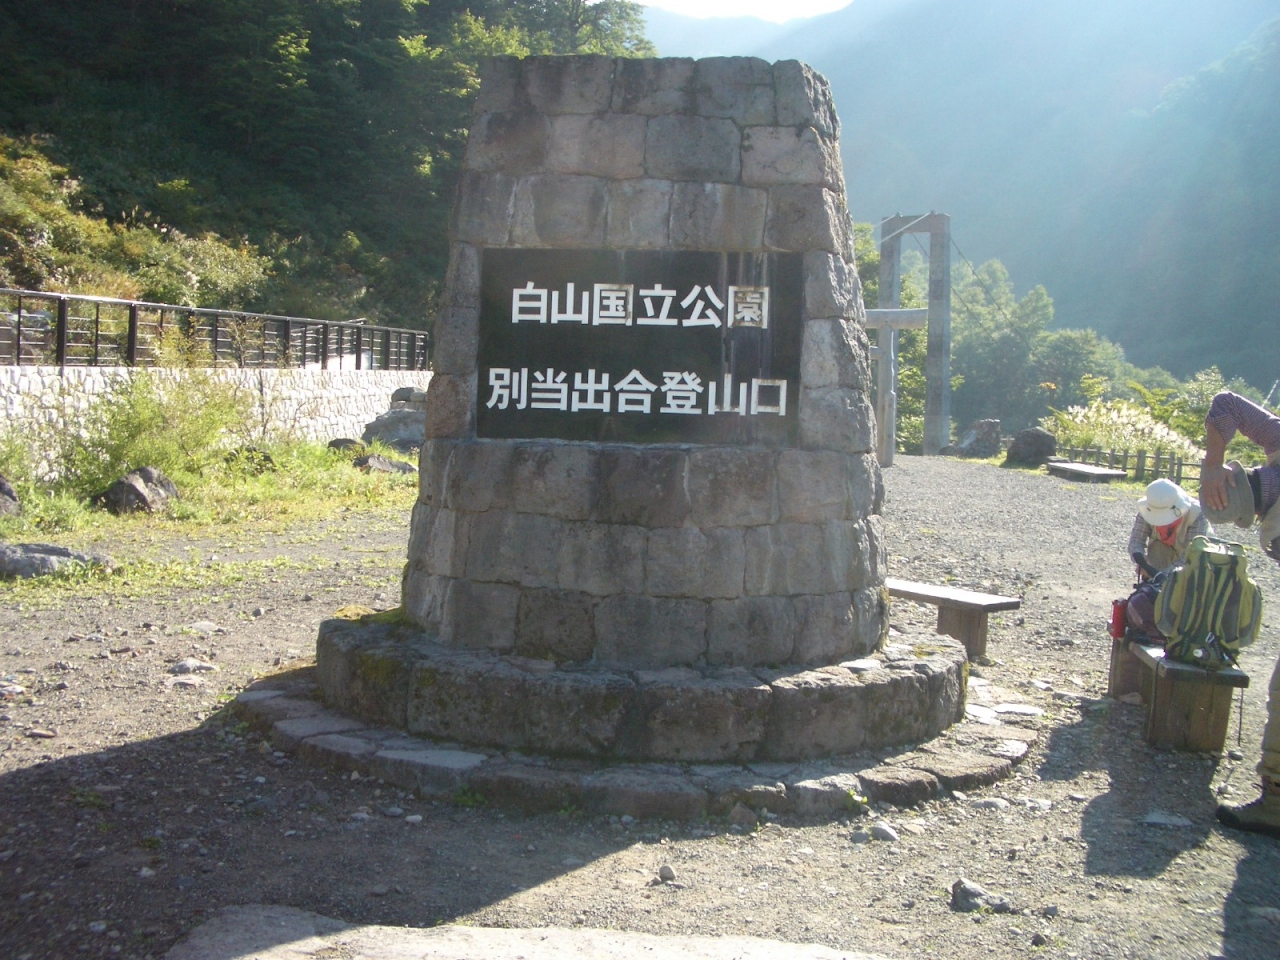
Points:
x=132 y=807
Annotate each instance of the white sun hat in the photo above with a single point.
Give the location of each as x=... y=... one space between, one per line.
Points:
x=1164 y=503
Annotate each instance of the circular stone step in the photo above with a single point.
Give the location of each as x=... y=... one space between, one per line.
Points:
x=395 y=675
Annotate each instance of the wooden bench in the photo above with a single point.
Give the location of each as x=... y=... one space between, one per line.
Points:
x=1085 y=472
x=961 y=613
x=1188 y=707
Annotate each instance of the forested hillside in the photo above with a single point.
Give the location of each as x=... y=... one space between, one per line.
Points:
x=1125 y=154
x=291 y=155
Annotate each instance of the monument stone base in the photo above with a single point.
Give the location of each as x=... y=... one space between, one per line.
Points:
x=397 y=675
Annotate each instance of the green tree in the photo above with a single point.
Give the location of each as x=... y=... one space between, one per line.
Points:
x=613 y=27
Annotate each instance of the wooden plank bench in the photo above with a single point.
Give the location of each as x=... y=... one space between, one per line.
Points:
x=961 y=613
x=1188 y=707
x=1086 y=472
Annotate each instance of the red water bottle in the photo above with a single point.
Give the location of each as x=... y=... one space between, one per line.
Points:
x=1118 y=609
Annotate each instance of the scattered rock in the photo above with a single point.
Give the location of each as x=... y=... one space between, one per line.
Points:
x=981 y=440
x=9 y=502
x=882 y=831
x=145 y=489
x=1158 y=818
x=741 y=815
x=666 y=873
x=346 y=445
x=25 y=560
x=192 y=665
x=403 y=428
x=205 y=626
x=991 y=803
x=41 y=734
x=374 y=463
x=967 y=897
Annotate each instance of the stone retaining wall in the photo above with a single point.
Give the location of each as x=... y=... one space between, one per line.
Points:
x=296 y=403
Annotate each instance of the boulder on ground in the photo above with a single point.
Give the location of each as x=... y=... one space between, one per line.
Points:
x=981 y=440
x=144 y=489
x=408 y=395
x=346 y=445
x=373 y=463
x=40 y=559
x=1031 y=448
x=404 y=429
x=9 y=502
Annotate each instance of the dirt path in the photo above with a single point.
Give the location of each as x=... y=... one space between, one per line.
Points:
x=146 y=811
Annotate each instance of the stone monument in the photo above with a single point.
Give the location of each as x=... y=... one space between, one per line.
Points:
x=648 y=520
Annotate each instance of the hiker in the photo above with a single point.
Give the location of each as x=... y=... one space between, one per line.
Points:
x=1231 y=494
x=1168 y=520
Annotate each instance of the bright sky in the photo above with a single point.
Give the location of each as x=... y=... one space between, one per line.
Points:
x=779 y=11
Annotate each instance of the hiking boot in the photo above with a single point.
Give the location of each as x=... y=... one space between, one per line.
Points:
x=1261 y=816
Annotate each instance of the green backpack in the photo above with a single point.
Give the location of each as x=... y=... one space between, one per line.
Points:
x=1208 y=607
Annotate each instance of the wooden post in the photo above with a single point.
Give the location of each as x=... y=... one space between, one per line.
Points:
x=1140 y=471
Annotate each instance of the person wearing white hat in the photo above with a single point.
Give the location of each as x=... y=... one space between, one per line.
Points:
x=1232 y=494
x=1168 y=520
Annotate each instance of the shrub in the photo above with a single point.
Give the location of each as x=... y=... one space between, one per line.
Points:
x=1117 y=425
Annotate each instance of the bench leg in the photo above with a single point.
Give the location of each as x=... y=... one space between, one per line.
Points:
x=1186 y=715
x=967 y=626
x=1126 y=670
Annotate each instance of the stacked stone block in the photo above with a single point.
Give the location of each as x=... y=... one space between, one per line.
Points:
x=652 y=557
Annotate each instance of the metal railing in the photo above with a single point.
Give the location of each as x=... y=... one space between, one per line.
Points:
x=65 y=330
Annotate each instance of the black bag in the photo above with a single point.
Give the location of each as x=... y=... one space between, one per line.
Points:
x=1140 y=611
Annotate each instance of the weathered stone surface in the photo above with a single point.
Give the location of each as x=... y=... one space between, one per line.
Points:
x=479 y=476
x=598 y=145
x=719 y=216
x=433 y=461
x=637 y=631
x=449 y=406
x=516 y=143
x=422 y=596
x=644 y=794
x=688 y=562
x=961 y=770
x=555 y=625
x=601 y=558
x=813 y=485
x=288 y=734
x=403 y=428
x=828 y=629
x=804 y=98
x=982 y=439
x=482 y=700
x=368 y=679
x=789 y=155
x=479 y=615
x=461 y=281
x=747 y=791
x=555 y=479
x=500 y=85
x=832 y=289
x=818 y=713
x=836 y=418
x=653 y=87
x=579 y=84
x=866 y=484
x=643 y=485
x=877 y=557
x=484 y=208
x=699 y=148
x=871 y=608
x=787 y=559
x=900 y=786
x=439 y=539
x=751 y=631
x=520 y=548
x=740 y=88
x=431 y=772
x=731 y=487
x=834 y=353
x=457 y=341
x=146 y=489
x=26 y=560
x=336 y=750
x=559 y=210
x=527 y=788
x=267 y=707
x=829 y=795
x=679 y=715
x=806 y=218
x=639 y=215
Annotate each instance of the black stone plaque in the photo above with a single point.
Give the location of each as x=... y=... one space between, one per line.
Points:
x=640 y=346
